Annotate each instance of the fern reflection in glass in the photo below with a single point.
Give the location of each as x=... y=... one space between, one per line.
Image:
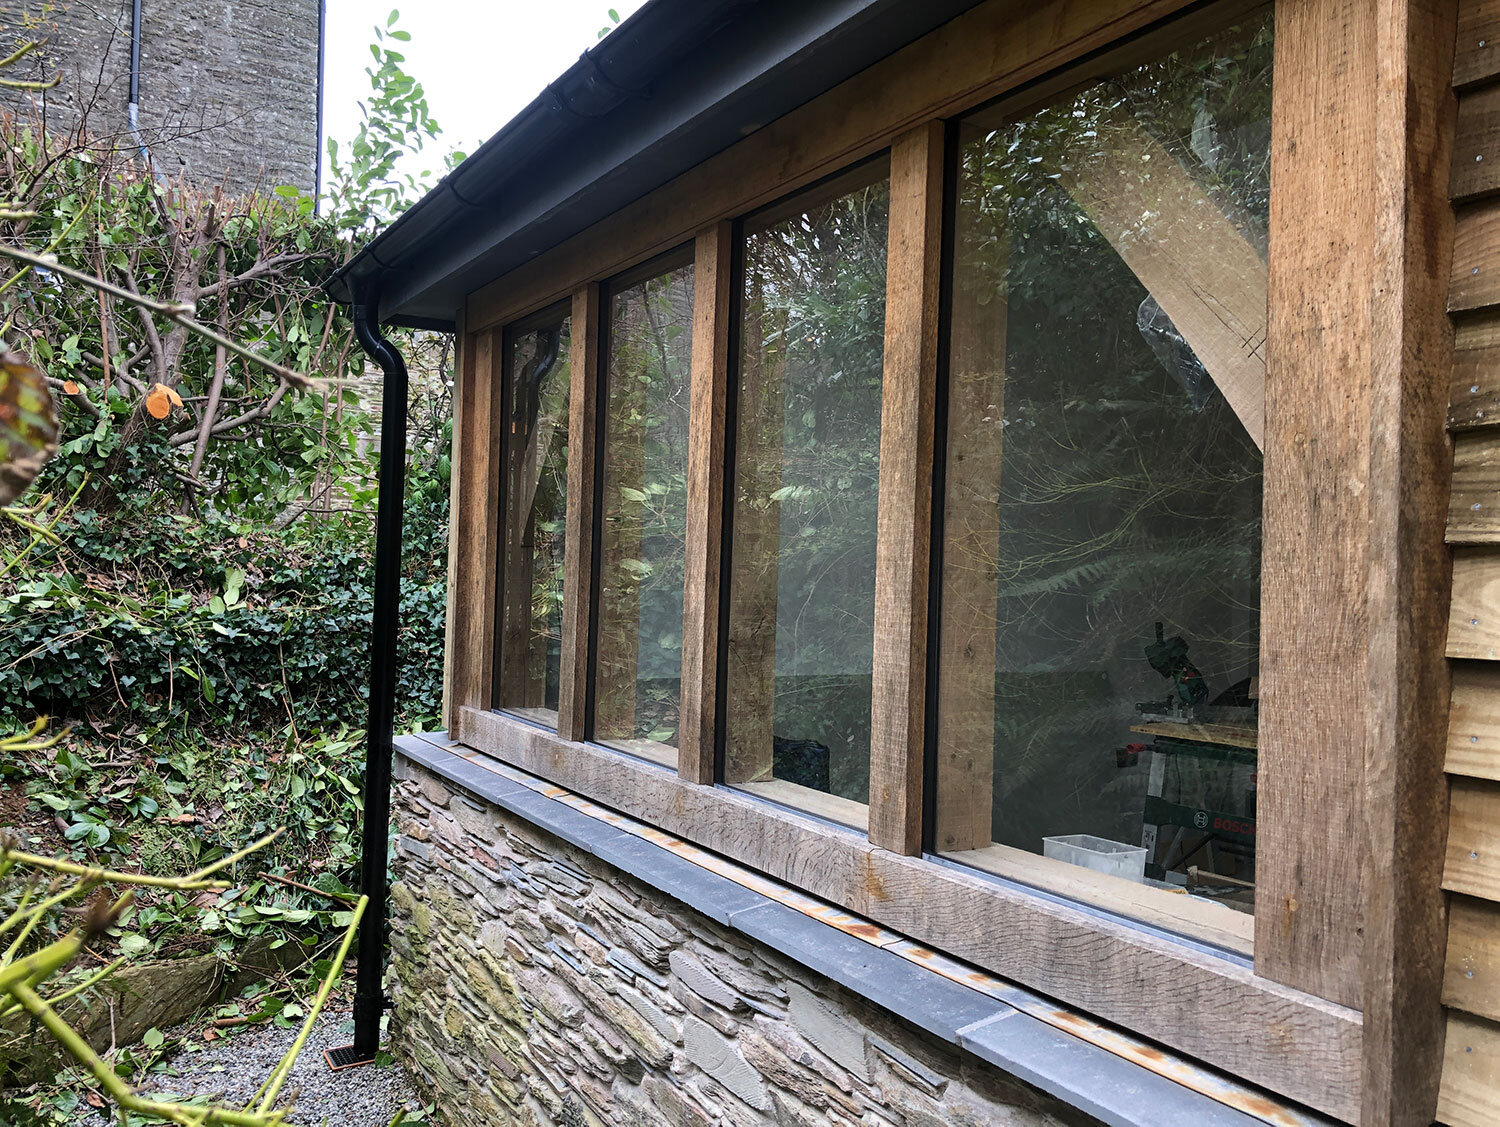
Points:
x=1100 y=620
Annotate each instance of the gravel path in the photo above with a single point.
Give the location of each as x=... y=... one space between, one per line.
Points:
x=233 y=1067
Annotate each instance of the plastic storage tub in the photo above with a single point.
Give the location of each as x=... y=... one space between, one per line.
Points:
x=1098 y=853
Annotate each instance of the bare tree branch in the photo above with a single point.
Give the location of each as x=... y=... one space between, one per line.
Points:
x=179 y=314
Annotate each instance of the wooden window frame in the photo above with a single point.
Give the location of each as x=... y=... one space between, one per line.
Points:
x=1340 y=1009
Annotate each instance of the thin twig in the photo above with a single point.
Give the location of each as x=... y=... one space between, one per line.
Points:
x=308 y=888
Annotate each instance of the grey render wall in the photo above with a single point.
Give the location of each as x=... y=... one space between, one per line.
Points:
x=535 y=984
x=228 y=89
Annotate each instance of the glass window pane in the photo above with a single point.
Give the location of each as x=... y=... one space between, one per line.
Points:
x=536 y=494
x=807 y=452
x=1102 y=522
x=638 y=665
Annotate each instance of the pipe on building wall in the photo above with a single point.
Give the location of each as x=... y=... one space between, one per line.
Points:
x=369 y=994
x=318 y=141
x=133 y=110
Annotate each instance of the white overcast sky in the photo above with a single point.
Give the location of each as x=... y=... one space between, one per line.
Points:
x=480 y=61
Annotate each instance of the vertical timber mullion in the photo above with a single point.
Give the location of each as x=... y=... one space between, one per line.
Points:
x=712 y=280
x=475 y=521
x=903 y=543
x=578 y=546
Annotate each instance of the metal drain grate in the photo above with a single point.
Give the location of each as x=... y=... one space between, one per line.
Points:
x=344 y=1057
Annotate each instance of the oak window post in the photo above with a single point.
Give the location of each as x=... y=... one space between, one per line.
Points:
x=578 y=548
x=712 y=257
x=902 y=560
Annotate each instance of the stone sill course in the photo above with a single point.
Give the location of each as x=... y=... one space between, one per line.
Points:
x=537 y=983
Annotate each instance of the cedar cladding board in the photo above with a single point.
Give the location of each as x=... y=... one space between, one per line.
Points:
x=228 y=88
x=574 y=994
x=1470 y=1093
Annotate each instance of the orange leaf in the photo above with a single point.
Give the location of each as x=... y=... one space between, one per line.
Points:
x=159 y=401
x=70 y=387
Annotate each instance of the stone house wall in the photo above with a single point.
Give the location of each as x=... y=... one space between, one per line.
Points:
x=228 y=88
x=535 y=984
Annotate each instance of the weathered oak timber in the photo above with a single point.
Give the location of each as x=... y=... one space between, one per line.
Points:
x=903 y=540
x=1405 y=804
x=1474 y=721
x=1318 y=391
x=712 y=278
x=1474 y=504
x=474 y=537
x=1470 y=1094
x=1474 y=401
x=578 y=550
x=1473 y=864
x=1474 y=612
x=1475 y=278
x=1476 y=145
x=1472 y=978
x=1477 y=56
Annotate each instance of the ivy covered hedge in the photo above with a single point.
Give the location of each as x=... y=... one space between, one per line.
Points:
x=143 y=617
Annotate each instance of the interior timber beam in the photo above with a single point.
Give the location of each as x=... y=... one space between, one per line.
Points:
x=1192 y=259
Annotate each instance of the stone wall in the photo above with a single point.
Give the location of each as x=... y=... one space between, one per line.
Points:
x=228 y=88
x=534 y=984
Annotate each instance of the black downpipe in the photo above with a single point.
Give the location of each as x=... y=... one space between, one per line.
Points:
x=369 y=994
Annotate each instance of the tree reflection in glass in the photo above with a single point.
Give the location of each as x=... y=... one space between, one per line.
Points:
x=807 y=453
x=1103 y=476
x=638 y=662
x=536 y=494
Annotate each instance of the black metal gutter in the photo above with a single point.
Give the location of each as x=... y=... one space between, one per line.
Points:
x=369 y=994
x=675 y=83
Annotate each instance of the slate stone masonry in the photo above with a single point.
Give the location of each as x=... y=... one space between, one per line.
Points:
x=228 y=88
x=534 y=984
